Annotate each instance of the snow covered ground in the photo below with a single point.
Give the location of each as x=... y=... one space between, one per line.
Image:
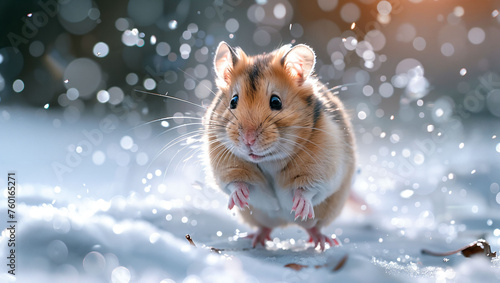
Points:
x=113 y=215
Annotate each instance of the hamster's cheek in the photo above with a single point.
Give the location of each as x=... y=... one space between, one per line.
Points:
x=282 y=148
x=233 y=136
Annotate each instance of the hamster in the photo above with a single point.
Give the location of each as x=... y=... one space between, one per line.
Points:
x=278 y=142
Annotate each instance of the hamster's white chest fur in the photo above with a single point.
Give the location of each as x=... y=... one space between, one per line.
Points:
x=273 y=203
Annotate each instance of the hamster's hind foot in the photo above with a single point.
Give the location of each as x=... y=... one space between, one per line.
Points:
x=239 y=196
x=262 y=235
x=316 y=237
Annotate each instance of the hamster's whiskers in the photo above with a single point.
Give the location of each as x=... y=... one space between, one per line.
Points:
x=341 y=86
x=176 y=141
x=274 y=116
x=192 y=151
x=299 y=137
x=317 y=129
x=188 y=102
x=211 y=92
x=176 y=127
x=305 y=127
x=286 y=116
x=164 y=119
x=288 y=156
x=170 y=97
x=227 y=148
x=302 y=147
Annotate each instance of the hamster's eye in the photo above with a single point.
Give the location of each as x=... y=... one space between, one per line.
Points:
x=234 y=101
x=275 y=102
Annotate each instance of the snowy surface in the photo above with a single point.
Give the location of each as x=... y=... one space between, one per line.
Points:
x=107 y=193
x=114 y=223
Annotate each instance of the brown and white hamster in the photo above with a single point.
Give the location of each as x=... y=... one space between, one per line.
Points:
x=279 y=143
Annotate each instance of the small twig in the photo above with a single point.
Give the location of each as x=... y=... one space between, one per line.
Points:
x=298 y=267
x=188 y=237
x=215 y=250
x=428 y=252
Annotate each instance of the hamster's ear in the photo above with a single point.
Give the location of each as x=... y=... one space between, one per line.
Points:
x=299 y=61
x=225 y=60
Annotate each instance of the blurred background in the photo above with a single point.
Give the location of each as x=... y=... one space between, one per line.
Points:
x=419 y=77
x=80 y=114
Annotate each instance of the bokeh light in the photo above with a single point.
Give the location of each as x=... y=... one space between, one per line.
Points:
x=103 y=96
x=384 y=8
x=163 y=49
x=116 y=95
x=328 y=5
x=350 y=12
x=85 y=84
x=57 y=251
x=406 y=32
x=94 y=263
x=232 y=25
x=172 y=24
x=279 y=11
x=122 y=24
x=447 y=49
x=126 y=142
x=419 y=43
x=493 y=102
x=120 y=275
x=98 y=157
x=101 y=49
x=476 y=35
x=36 y=48
x=149 y=84
x=18 y=85
x=72 y=94
x=132 y=79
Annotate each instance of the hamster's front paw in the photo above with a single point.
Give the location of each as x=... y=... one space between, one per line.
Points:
x=302 y=205
x=239 y=196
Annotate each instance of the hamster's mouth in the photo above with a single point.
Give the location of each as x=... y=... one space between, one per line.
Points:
x=262 y=155
x=256 y=157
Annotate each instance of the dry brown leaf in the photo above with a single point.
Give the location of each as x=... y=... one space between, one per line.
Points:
x=296 y=266
x=341 y=263
x=480 y=246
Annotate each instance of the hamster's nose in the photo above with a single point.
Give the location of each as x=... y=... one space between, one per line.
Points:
x=249 y=137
